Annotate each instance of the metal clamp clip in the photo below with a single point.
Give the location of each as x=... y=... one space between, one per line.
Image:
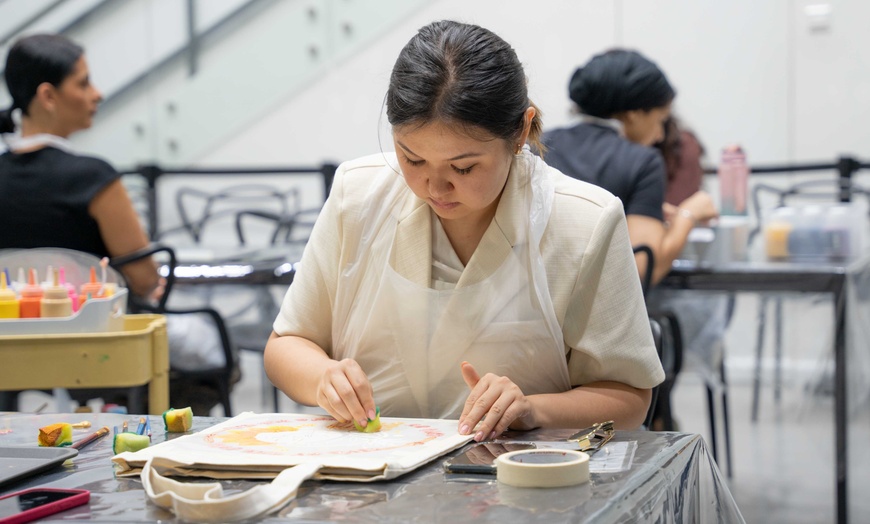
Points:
x=593 y=437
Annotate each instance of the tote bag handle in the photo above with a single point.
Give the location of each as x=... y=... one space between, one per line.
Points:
x=204 y=502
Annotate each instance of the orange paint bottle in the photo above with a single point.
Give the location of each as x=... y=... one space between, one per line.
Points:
x=31 y=297
x=90 y=289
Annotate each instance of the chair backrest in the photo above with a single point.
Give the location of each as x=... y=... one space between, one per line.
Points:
x=219 y=210
x=221 y=377
x=646 y=280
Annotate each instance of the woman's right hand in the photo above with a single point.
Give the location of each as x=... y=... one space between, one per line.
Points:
x=345 y=392
x=701 y=206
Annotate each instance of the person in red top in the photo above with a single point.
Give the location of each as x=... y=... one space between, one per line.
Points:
x=682 y=152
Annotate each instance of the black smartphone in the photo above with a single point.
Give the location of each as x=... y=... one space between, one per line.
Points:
x=31 y=504
x=480 y=458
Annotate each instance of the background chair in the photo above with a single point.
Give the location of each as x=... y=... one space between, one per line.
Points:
x=218 y=379
x=668 y=335
x=263 y=219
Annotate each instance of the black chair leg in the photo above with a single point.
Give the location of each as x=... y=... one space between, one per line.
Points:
x=726 y=418
x=9 y=400
x=711 y=408
x=275 y=399
x=136 y=400
x=777 y=370
x=759 y=346
x=224 y=395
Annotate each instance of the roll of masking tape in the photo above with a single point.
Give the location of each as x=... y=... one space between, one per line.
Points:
x=542 y=468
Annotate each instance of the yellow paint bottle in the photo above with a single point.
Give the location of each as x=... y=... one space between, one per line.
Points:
x=9 y=307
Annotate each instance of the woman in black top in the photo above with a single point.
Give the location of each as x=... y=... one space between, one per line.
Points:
x=49 y=195
x=624 y=100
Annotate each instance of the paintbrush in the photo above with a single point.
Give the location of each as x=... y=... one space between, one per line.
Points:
x=96 y=435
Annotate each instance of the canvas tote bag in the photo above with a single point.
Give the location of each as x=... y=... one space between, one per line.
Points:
x=288 y=448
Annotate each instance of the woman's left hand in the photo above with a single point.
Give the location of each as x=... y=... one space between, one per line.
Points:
x=495 y=403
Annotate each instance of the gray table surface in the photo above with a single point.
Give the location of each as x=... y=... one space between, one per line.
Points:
x=671 y=478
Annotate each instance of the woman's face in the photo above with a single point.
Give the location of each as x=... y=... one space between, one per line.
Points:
x=646 y=127
x=76 y=100
x=460 y=177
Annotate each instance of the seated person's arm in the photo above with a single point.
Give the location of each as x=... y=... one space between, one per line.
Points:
x=122 y=233
x=297 y=361
x=668 y=240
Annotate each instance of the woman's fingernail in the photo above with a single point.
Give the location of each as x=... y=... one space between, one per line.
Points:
x=492 y=435
x=363 y=422
x=464 y=429
x=371 y=414
x=478 y=436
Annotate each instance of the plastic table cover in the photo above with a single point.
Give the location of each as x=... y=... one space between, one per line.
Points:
x=670 y=478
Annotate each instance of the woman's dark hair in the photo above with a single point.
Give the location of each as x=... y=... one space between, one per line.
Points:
x=463 y=74
x=33 y=60
x=619 y=80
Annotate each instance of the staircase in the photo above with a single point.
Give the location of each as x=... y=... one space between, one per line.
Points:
x=180 y=78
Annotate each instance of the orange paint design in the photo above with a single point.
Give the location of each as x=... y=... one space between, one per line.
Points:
x=315 y=439
x=248 y=436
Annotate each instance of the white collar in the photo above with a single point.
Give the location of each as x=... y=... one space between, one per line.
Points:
x=612 y=123
x=17 y=142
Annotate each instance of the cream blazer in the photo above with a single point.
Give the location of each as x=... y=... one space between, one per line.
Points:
x=591 y=271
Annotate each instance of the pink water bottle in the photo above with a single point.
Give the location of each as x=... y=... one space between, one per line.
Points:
x=733 y=181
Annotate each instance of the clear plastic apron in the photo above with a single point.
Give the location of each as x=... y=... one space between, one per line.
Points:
x=411 y=340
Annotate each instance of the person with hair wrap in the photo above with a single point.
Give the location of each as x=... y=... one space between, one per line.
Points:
x=51 y=196
x=460 y=276
x=624 y=99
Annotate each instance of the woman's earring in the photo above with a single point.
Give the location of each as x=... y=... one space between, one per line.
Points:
x=519 y=149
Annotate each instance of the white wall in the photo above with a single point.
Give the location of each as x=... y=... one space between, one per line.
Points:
x=746 y=71
x=788 y=86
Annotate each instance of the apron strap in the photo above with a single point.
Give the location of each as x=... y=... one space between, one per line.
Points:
x=204 y=502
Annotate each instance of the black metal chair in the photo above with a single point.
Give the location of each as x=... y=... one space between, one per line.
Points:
x=263 y=216
x=668 y=337
x=668 y=345
x=219 y=378
x=646 y=281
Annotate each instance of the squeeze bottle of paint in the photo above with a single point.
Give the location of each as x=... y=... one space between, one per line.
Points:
x=9 y=307
x=31 y=297
x=56 y=301
x=108 y=288
x=70 y=289
x=90 y=289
